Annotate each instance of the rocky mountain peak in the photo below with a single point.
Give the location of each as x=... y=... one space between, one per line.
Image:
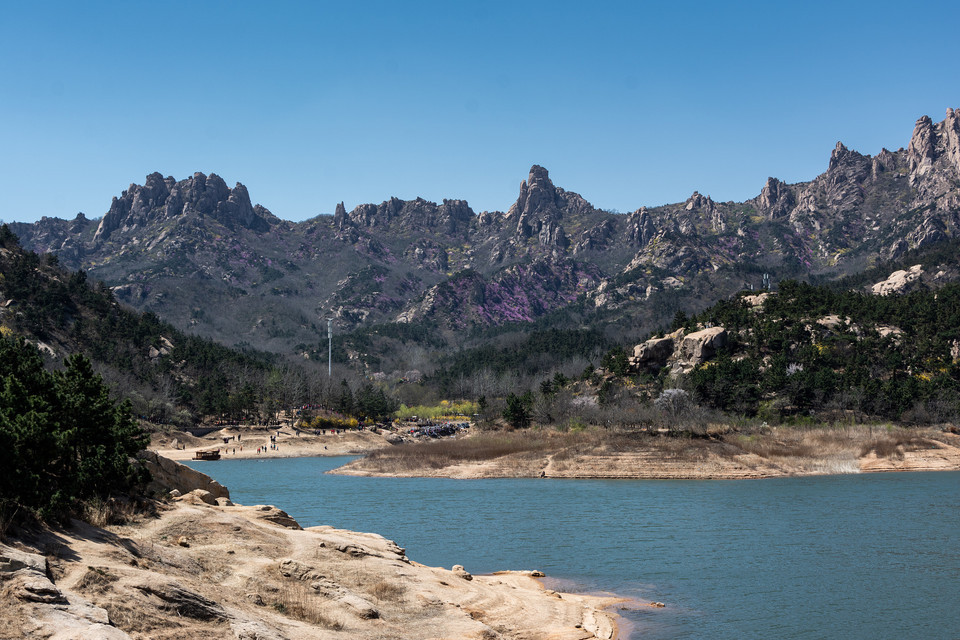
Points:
x=340 y=218
x=839 y=155
x=162 y=198
x=640 y=227
x=707 y=209
x=537 y=196
x=417 y=215
x=776 y=199
x=541 y=206
x=922 y=145
x=698 y=201
x=933 y=141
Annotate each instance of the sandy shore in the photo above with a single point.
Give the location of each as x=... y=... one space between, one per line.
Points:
x=250 y=573
x=782 y=452
x=244 y=442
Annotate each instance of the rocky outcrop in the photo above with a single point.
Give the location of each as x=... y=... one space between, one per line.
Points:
x=279 y=517
x=427 y=254
x=53 y=613
x=160 y=199
x=756 y=301
x=174 y=597
x=541 y=206
x=682 y=351
x=460 y=572
x=898 y=282
x=699 y=346
x=655 y=351
x=596 y=238
x=707 y=210
x=640 y=227
x=167 y=475
x=776 y=199
x=933 y=158
x=450 y=217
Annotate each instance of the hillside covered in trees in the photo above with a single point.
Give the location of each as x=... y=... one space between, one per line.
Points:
x=169 y=377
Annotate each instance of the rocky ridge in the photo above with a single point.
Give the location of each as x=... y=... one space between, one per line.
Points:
x=415 y=260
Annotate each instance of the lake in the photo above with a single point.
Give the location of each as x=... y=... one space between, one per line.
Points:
x=851 y=556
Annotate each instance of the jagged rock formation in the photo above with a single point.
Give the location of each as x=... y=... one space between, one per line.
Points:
x=541 y=207
x=408 y=215
x=160 y=199
x=417 y=260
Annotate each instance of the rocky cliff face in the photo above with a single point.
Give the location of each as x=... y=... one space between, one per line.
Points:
x=192 y=248
x=540 y=209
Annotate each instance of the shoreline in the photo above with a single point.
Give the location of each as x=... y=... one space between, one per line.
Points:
x=288 y=443
x=563 y=458
x=780 y=454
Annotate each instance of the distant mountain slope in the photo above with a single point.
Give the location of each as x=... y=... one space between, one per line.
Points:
x=200 y=255
x=170 y=376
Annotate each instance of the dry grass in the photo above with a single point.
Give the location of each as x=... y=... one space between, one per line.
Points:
x=300 y=602
x=102 y=513
x=387 y=591
x=96 y=580
x=14 y=620
x=444 y=453
x=831 y=442
x=893 y=444
x=786 y=445
x=132 y=616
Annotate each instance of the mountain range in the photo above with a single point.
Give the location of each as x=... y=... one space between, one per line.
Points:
x=202 y=256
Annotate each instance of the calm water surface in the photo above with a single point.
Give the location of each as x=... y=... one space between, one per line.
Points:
x=855 y=556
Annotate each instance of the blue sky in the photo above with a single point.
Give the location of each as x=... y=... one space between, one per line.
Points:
x=308 y=104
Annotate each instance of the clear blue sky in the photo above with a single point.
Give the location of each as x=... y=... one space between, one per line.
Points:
x=311 y=103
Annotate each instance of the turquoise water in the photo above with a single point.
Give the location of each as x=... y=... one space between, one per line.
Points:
x=854 y=556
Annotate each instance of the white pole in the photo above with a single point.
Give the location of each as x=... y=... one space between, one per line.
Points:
x=329 y=347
